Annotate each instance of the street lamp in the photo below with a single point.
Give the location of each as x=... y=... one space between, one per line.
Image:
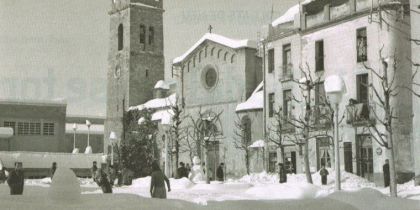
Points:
x=113 y=139
x=88 y=148
x=335 y=88
x=75 y=150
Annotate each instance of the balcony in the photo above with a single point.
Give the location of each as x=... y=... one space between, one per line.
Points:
x=359 y=114
x=287 y=73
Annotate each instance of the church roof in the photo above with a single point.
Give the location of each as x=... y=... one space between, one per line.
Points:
x=157 y=103
x=255 y=101
x=228 y=42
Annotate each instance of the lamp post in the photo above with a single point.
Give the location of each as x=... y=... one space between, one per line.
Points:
x=75 y=150
x=88 y=148
x=113 y=139
x=335 y=88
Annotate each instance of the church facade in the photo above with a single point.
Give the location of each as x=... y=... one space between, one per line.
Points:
x=214 y=76
x=135 y=59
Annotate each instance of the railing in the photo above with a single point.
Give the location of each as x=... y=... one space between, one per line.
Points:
x=287 y=73
x=359 y=114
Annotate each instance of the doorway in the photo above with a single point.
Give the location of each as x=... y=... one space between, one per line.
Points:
x=323 y=153
x=364 y=156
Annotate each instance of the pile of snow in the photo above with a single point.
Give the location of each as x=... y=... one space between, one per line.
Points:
x=257 y=144
x=162 y=85
x=284 y=191
x=176 y=184
x=157 y=103
x=289 y=15
x=163 y=116
x=259 y=178
x=232 y=43
x=255 y=101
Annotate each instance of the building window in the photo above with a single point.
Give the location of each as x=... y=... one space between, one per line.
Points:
x=270 y=60
x=272 y=162
x=188 y=67
x=48 y=129
x=205 y=52
x=199 y=56
x=287 y=60
x=362 y=88
x=319 y=55
x=142 y=34
x=10 y=125
x=247 y=132
x=361 y=45
x=270 y=104
x=120 y=37
x=147 y=72
x=320 y=96
x=194 y=61
x=287 y=103
x=28 y=128
x=151 y=35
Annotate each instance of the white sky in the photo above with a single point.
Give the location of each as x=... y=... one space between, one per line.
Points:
x=58 y=48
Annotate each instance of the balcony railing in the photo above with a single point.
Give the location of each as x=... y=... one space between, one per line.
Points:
x=287 y=73
x=359 y=114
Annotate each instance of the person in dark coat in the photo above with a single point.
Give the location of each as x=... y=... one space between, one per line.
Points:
x=220 y=175
x=181 y=171
x=324 y=173
x=3 y=176
x=111 y=174
x=282 y=173
x=385 y=169
x=53 y=169
x=93 y=170
x=16 y=180
x=102 y=179
x=157 y=183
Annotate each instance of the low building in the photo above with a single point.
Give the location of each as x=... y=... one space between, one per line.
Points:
x=39 y=126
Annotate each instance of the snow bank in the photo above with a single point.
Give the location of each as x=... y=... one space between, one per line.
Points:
x=284 y=191
x=176 y=184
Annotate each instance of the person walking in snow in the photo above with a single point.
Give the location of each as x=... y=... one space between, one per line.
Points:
x=188 y=167
x=385 y=169
x=220 y=176
x=282 y=173
x=93 y=170
x=16 y=180
x=324 y=173
x=157 y=183
x=102 y=179
x=53 y=169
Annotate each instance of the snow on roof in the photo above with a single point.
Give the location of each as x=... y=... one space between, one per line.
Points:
x=143 y=5
x=157 y=103
x=257 y=144
x=83 y=129
x=162 y=85
x=232 y=43
x=254 y=102
x=164 y=116
x=52 y=102
x=289 y=15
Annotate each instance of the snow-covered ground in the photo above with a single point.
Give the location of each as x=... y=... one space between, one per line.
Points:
x=261 y=186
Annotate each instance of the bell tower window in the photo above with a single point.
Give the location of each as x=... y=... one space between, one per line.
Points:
x=120 y=37
x=151 y=35
x=142 y=34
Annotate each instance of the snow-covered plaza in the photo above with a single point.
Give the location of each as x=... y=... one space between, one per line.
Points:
x=256 y=191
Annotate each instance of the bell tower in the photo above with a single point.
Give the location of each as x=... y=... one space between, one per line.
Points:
x=135 y=58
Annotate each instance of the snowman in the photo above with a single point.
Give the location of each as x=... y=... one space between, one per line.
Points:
x=197 y=174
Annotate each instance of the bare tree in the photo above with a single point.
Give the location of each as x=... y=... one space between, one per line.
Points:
x=385 y=94
x=242 y=139
x=205 y=132
x=276 y=133
x=306 y=125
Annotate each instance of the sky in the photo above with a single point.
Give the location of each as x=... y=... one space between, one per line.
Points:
x=58 y=49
